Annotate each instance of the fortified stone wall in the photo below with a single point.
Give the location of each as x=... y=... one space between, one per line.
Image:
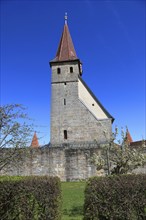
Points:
x=70 y=162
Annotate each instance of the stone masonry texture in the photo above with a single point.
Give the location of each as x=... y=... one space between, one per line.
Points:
x=69 y=113
x=70 y=162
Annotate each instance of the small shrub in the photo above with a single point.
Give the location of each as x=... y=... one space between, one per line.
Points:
x=116 y=198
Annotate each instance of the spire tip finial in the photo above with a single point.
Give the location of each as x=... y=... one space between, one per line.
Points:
x=65 y=17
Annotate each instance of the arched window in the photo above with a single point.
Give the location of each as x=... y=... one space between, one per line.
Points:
x=58 y=70
x=71 y=69
x=65 y=134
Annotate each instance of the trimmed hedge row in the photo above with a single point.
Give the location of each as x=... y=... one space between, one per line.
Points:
x=31 y=198
x=116 y=198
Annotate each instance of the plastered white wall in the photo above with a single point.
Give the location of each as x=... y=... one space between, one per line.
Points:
x=89 y=102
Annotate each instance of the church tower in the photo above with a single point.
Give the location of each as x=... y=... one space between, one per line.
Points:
x=77 y=116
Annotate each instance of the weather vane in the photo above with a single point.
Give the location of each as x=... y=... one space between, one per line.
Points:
x=65 y=17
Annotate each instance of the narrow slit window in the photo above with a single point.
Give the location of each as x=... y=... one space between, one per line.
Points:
x=65 y=134
x=64 y=101
x=65 y=83
x=71 y=69
x=58 y=70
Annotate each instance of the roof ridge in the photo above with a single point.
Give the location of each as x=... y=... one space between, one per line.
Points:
x=67 y=39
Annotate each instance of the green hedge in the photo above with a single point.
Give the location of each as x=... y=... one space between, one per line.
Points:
x=30 y=198
x=116 y=198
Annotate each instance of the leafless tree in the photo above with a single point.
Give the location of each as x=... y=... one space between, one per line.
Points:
x=15 y=133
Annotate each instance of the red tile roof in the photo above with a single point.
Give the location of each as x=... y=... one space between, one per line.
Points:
x=35 y=142
x=138 y=143
x=128 y=137
x=66 y=49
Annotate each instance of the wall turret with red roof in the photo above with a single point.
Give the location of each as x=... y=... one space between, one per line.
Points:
x=35 y=142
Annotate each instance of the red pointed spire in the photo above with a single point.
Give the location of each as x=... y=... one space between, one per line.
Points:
x=34 y=143
x=66 y=49
x=128 y=137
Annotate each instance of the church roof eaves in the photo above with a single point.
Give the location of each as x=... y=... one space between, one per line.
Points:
x=97 y=101
x=64 y=61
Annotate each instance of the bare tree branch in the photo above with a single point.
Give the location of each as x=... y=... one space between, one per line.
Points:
x=15 y=132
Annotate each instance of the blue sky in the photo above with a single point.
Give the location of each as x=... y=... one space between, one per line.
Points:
x=109 y=38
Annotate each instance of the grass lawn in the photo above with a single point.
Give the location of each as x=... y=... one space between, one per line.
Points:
x=73 y=200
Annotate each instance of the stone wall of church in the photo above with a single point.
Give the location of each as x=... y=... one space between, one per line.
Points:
x=65 y=75
x=69 y=113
